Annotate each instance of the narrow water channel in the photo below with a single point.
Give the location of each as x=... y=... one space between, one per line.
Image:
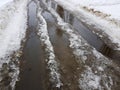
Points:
x=68 y=64
x=33 y=69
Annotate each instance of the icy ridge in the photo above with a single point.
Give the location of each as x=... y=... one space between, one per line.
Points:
x=44 y=37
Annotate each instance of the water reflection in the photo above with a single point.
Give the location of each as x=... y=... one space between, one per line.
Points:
x=88 y=35
x=33 y=70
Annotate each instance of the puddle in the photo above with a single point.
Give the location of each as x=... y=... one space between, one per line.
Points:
x=33 y=69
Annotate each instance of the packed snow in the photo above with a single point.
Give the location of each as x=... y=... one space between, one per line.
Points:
x=12 y=35
x=14 y=16
x=111 y=7
x=3 y=2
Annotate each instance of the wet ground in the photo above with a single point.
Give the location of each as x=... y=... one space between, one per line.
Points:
x=33 y=67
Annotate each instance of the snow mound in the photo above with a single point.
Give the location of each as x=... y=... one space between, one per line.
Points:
x=14 y=16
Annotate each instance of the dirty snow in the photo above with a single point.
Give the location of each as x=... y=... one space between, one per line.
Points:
x=94 y=2
x=11 y=36
x=111 y=7
x=51 y=61
x=112 y=10
x=13 y=33
x=89 y=80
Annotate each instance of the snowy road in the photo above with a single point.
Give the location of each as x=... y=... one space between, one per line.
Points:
x=58 y=52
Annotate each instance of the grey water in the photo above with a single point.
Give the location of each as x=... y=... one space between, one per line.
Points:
x=33 y=67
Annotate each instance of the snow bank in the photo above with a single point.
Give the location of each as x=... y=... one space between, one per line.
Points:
x=44 y=37
x=110 y=7
x=12 y=34
x=112 y=10
x=89 y=80
x=3 y=2
x=106 y=6
x=94 y=2
x=6 y=12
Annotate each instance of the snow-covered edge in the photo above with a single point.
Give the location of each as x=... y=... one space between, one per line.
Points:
x=12 y=36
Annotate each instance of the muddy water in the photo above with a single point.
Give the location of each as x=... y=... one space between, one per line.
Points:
x=33 y=69
x=68 y=65
x=94 y=40
x=88 y=35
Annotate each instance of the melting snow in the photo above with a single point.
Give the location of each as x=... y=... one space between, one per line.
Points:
x=44 y=37
x=89 y=81
x=13 y=33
